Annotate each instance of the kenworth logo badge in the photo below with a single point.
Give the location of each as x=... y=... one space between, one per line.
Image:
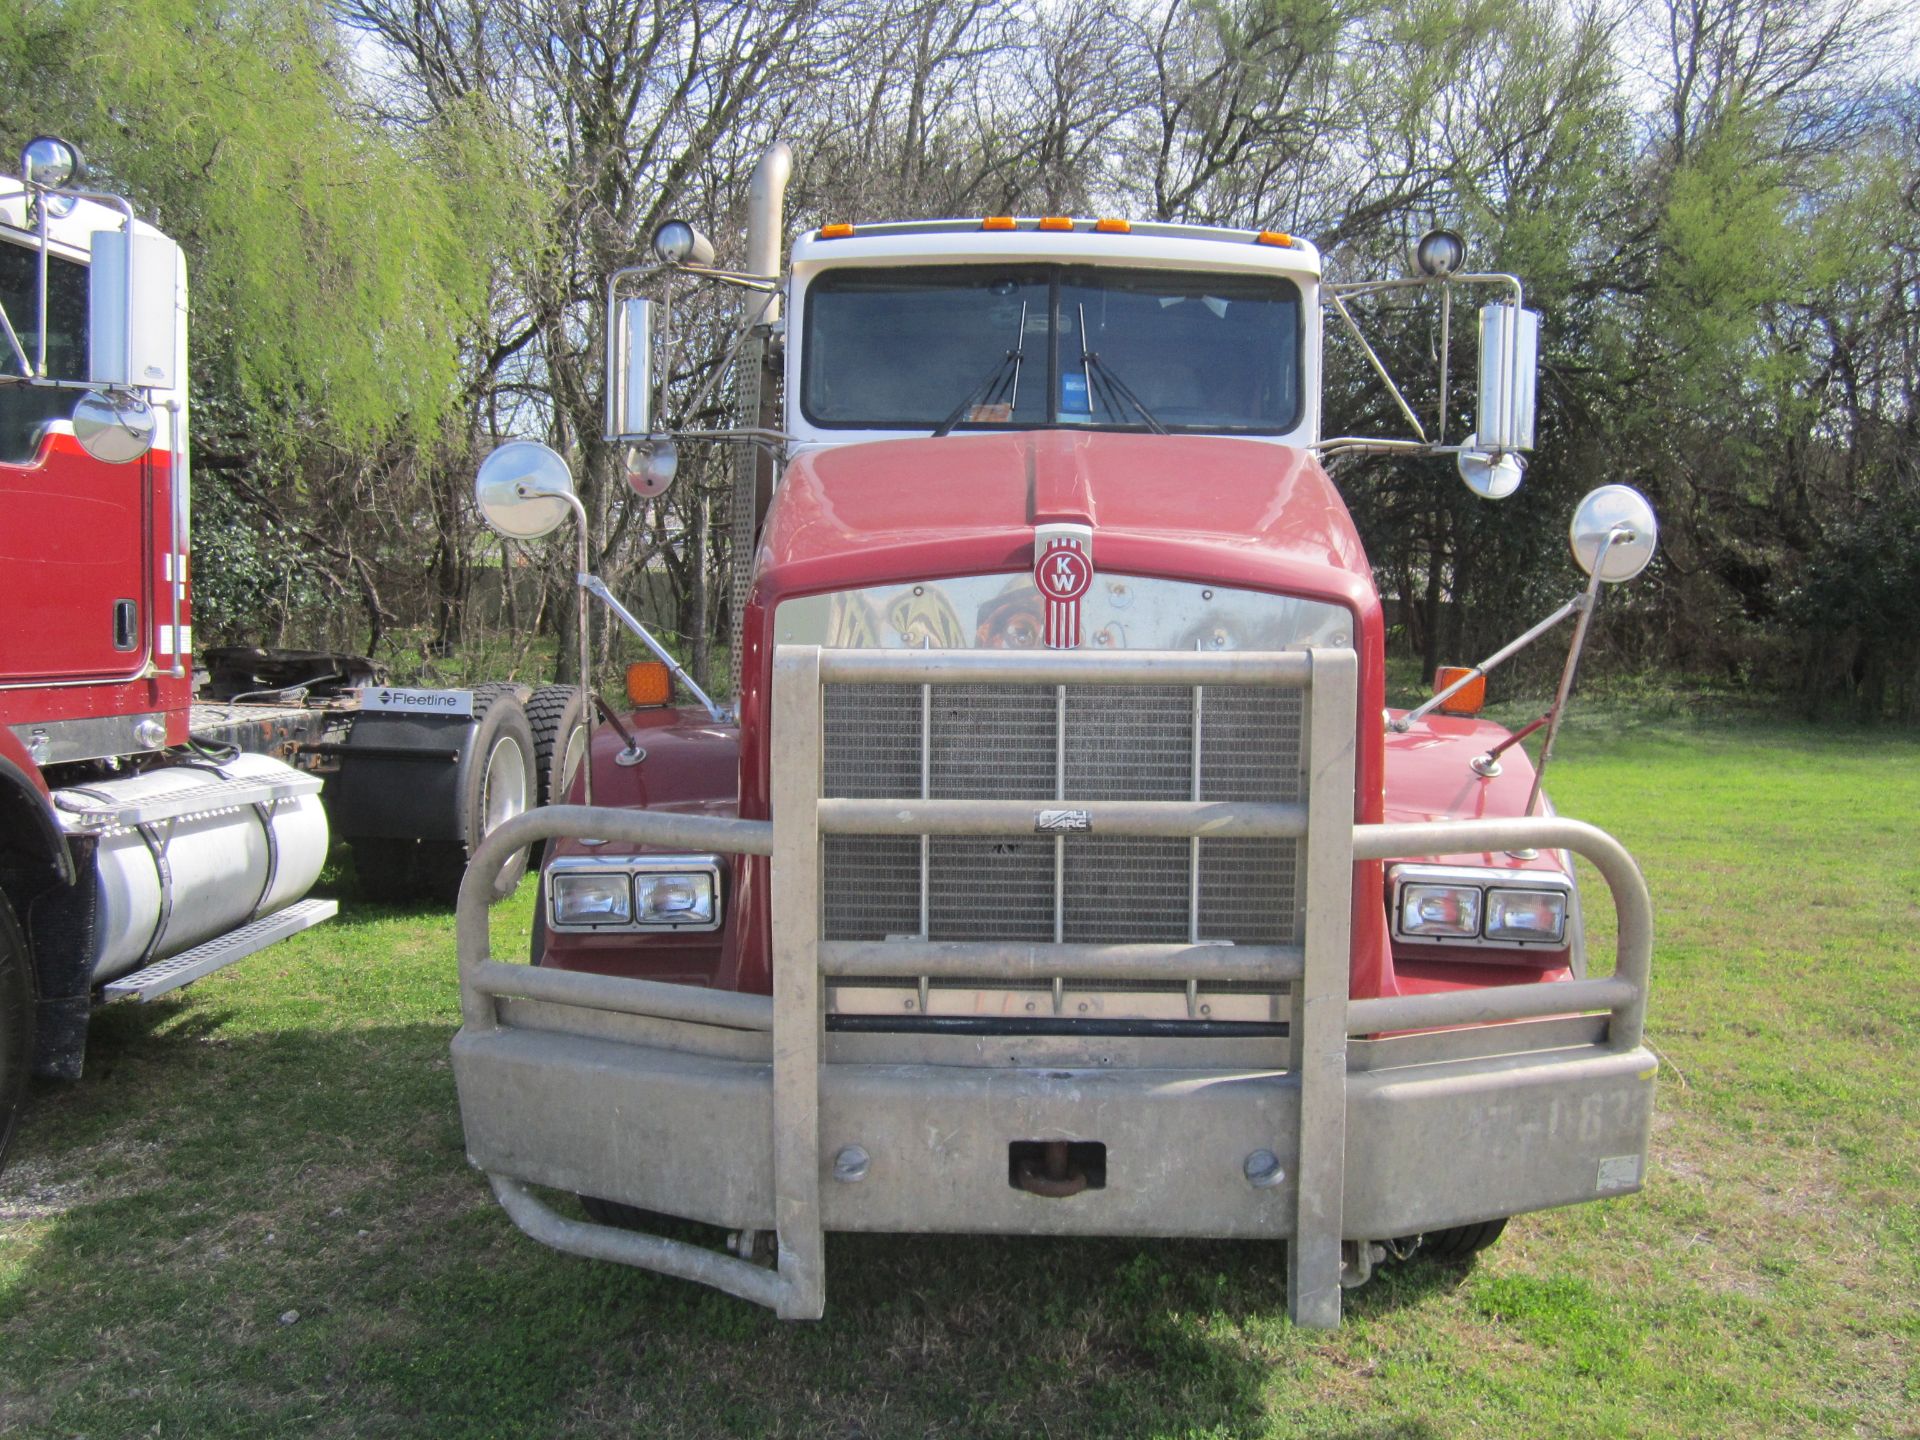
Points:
x=1063 y=573
x=1051 y=821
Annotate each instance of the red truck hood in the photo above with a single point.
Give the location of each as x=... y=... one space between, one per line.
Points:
x=1207 y=509
x=1192 y=507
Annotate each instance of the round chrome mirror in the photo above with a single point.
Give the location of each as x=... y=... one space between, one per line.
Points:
x=1610 y=509
x=50 y=162
x=678 y=243
x=522 y=490
x=1439 y=254
x=651 y=466
x=1490 y=476
x=114 y=429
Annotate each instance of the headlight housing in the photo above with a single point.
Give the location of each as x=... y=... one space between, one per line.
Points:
x=635 y=894
x=1484 y=908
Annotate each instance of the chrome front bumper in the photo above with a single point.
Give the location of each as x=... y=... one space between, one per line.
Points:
x=748 y=1112
x=687 y=1132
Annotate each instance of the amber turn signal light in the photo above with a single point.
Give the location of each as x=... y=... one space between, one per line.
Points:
x=1470 y=697
x=649 y=683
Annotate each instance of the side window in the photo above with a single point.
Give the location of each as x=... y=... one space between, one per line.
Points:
x=25 y=410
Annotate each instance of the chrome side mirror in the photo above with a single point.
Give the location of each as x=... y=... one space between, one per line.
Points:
x=524 y=490
x=1614 y=528
x=51 y=163
x=1509 y=364
x=1490 y=476
x=115 y=429
x=651 y=465
x=629 y=367
x=133 y=310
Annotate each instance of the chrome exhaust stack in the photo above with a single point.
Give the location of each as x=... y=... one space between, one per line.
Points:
x=766 y=217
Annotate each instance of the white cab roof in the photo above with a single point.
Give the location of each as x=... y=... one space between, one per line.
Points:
x=1148 y=244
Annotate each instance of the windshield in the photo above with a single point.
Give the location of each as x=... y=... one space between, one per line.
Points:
x=899 y=348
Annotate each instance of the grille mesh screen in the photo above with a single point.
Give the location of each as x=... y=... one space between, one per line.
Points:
x=1122 y=743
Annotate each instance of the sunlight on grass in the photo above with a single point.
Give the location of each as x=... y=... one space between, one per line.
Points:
x=282 y=1141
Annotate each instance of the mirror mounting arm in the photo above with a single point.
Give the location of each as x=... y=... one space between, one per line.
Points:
x=1506 y=652
x=1379 y=366
x=597 y=588
x=1589 y=602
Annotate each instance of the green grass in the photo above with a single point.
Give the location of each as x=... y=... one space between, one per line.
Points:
x=283 y=1138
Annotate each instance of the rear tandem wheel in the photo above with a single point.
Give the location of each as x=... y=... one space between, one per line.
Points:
x=497 y=782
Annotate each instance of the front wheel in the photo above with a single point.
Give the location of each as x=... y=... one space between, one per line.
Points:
x=1461 y=1243
x=16 y=1024
x=561 y=724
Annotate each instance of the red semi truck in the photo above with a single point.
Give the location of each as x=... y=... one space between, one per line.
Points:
x=150 y=835
x=1059 y=867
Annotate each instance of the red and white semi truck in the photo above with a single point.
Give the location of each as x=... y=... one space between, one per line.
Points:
x=1059 y=867
x=149 y=835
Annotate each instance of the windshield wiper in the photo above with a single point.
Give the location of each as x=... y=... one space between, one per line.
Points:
x=995 y=382
x=1117 y=390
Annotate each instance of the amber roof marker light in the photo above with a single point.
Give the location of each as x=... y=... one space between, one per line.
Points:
x=839 y=231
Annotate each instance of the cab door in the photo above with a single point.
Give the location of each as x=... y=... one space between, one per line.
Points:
x=74 y=560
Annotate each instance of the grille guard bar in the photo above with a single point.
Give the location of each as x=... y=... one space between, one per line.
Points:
x=1324 y=1017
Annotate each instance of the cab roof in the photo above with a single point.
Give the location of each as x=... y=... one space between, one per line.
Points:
x=1150 y=244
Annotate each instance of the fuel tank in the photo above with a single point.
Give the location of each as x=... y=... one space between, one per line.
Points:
x=188 y=852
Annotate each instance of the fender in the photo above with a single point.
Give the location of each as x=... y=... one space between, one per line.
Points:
x=40 y=874
x=30 y=829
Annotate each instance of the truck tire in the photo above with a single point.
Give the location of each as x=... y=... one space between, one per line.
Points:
x=1461 y=1243
x=559 y=715
x=496 y=782
x=16 y=1024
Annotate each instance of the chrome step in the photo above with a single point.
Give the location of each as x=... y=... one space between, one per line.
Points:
x=211 y=955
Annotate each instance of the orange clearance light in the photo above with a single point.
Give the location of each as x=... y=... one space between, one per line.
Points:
x=1274 y=237
x=649 y=683
x=997 y=222
x=1056 y=222
x=1470 y=697
x=1113 y=227
x=835 y=232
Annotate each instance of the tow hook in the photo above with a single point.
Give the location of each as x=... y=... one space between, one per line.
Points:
x=1049 y=1174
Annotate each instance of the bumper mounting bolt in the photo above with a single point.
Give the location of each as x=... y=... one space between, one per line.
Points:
x=1263 y=1170
x=850 y=1165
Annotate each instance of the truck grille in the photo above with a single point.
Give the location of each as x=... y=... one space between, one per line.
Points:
x=1051 y=745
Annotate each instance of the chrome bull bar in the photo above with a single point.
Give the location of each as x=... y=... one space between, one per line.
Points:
x=1316 y=1058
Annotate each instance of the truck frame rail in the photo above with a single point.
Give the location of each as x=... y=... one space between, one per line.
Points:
x=1368 y=1119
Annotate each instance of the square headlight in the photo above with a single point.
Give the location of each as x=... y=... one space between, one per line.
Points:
x=1447 y=911
x=634 y=893
x=1527 y=915
x=592 y=898
x=670 y=898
